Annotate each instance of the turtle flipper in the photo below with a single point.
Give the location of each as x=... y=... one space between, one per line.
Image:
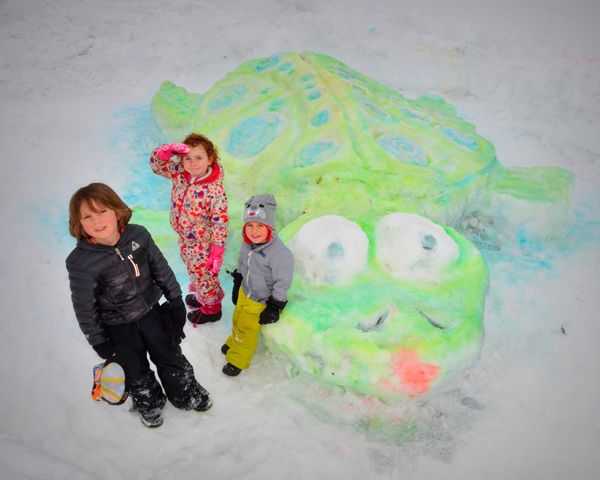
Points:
x=522 y=206
x=174 y=109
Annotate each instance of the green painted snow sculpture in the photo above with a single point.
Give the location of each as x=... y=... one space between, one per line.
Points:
x=372 y=190
x=386 y=305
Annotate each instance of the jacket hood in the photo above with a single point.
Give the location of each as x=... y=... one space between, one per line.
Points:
x=215 y=175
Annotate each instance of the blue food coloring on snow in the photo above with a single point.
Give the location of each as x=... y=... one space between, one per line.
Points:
x=227 y=97
x=321 y=118
x=267 y=63
x=463 y=182
x=250 y=137
x=459 y=138
x=277 y=104
x=414 y=116
x=377 y=112
x=345 y=73
x=403 y=149
x=317 y=152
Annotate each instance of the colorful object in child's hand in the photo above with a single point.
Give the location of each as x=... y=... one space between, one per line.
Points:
x=109 y=383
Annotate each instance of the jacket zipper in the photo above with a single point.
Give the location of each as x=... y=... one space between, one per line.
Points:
x=136 y=268
x=137 y=271
x=183 y=197
x=249 y=287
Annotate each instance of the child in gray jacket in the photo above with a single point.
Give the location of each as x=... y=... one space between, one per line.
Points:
x=260 y=282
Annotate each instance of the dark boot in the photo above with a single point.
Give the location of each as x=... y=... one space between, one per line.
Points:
x=148 y=400
x=198 y=318
x=174 y=370
x=151 y=419
x=201 y=400
x=131 y=353
x=192 y=302
x=203 y=404
x=179 y=382
x=224 y=349
x=231 y=370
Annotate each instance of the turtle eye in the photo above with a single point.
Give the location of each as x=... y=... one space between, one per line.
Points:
x=411 y=247
x=330 y=250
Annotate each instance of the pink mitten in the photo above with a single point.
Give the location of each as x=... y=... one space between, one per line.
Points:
x=215 y=258
x=164 y=152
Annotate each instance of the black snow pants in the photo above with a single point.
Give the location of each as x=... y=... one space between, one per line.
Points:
x=148 y=336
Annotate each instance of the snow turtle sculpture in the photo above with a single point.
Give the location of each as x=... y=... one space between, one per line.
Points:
x=373 y=188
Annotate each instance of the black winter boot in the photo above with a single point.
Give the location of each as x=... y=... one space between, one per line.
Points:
x=151 y=419
x=198 y=318
x=204 y=404
x=231 y=370
x=192 y=302
x=224 y=349
x=148 y=400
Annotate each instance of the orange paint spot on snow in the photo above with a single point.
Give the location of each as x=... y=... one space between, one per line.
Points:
x=414 y=375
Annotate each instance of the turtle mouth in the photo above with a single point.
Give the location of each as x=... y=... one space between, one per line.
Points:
x=376 y=322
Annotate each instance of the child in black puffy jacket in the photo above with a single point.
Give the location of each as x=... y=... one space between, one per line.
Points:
x=117 y=276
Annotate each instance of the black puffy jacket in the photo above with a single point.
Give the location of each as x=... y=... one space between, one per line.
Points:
x=120 y=284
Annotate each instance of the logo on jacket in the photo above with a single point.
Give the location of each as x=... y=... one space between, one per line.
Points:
x=134 y=246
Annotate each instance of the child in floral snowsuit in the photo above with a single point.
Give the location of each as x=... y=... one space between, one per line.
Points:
x=199 y=216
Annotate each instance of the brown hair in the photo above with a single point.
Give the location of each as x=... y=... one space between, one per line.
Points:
x=195 y=139
x=98 y=194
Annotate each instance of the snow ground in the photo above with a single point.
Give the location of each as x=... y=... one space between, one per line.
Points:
x=73 y=76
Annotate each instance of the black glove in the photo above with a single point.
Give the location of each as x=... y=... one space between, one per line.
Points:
x=272 y=312
x=237 y=283
x=105 y=349
x=177 y=314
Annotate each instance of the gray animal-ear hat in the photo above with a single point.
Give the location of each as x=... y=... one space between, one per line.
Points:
x=261 y=209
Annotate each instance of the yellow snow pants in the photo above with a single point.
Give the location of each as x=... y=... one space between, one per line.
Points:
x=245 y=329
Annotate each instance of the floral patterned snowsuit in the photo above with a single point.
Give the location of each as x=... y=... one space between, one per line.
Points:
x=199 y=216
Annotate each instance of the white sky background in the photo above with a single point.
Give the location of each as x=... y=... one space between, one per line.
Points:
x=526 y=75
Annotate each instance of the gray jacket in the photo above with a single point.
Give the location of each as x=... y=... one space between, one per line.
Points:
x=267 y=270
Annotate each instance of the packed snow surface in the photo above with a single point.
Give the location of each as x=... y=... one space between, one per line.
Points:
x=76 y=85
